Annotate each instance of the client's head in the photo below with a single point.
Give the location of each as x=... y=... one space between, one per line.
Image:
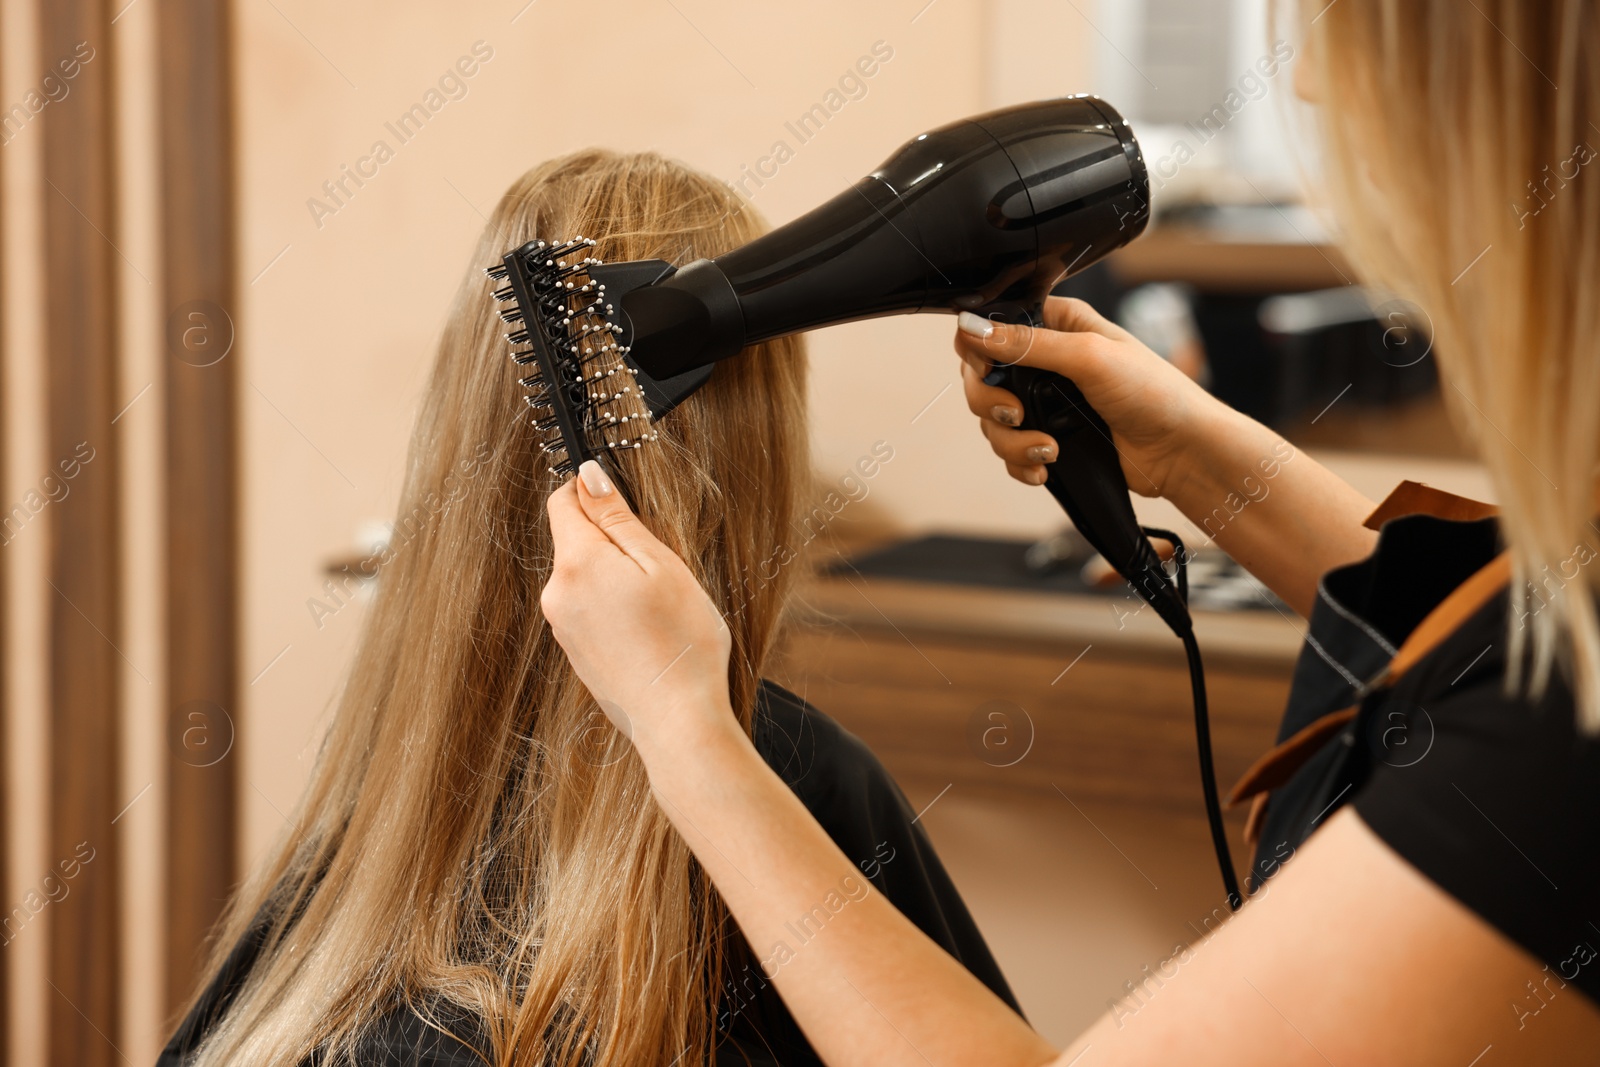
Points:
x=476 y=838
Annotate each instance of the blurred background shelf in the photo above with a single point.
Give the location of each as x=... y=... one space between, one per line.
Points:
x=1199 y=258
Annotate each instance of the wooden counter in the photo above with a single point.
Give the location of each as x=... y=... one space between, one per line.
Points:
x=1001 y=690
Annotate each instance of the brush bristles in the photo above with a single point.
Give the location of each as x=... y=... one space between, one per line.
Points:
x=595 y=397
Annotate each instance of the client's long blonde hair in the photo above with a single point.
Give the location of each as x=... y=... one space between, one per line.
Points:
x=1461 y=153
x=476 y=839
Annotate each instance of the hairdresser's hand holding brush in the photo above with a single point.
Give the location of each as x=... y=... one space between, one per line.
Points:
x=636 y=625
x=1176 y=441
x=646 y=640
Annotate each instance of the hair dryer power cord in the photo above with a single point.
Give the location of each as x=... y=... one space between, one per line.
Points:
x=1202 y=725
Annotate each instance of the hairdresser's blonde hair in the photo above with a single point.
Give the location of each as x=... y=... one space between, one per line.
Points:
x=1465 y=179
x=476 y=839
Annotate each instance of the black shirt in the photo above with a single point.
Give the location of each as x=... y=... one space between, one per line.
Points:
x=846 y=790
x=1494 y=796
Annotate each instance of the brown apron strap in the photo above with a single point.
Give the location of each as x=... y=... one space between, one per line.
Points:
x=1256 y=818
x=1280 y=763
x=1414 y=498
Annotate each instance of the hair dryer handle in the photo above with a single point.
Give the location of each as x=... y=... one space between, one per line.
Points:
x=1086 y=480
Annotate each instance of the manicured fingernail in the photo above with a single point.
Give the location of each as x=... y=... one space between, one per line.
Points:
x=1039 y=477
x=594 y=478
x=1006 y=416
x=976 y=325
x=1042 y=454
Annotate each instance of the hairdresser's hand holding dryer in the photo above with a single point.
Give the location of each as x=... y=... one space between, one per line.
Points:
x=1438 y=912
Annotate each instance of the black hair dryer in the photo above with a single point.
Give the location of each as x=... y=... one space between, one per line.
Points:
x=985 y=215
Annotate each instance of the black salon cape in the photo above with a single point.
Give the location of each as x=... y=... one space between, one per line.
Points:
x=847 y=790
x=1494 y=797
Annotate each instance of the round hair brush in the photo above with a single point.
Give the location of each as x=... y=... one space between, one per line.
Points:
x=584 y=394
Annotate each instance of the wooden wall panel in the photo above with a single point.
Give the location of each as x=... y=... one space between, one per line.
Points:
x=198 y=297
x=81 y=267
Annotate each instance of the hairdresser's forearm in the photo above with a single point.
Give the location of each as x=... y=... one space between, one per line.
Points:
x=1282 y=515
x=866 y=985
